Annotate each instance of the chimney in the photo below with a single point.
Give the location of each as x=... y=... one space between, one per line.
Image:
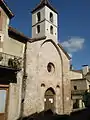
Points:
x=85 y=69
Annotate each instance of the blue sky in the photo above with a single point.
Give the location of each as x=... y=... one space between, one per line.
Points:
x=74 y=25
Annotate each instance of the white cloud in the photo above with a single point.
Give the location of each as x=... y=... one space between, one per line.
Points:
x=74 y=44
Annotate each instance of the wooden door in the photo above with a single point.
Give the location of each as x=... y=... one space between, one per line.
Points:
x=3 y=102
x=49 y=100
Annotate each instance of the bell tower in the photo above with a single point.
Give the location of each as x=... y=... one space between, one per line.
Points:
x=44 y=21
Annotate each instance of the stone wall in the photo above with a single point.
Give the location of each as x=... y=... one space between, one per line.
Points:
x=39 y=54
x=14 y=103
x=66 y=83
x=75 y=75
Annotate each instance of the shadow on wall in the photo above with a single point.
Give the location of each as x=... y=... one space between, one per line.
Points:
x=49 y=115
x=46 y=115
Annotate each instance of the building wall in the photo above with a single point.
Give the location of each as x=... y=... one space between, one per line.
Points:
x=77 y=94
x=75 y=75
x=35 y=23
x=15 y=93
x=34 y=16
x=16 y=48
x=48 y=34
x=66 y=82
x=38 y=57
x=81 y=84
x=5 y=22
x=13 y=47
x=45 y=24
x=88 y=85
x=42 y=31
x=47 y=16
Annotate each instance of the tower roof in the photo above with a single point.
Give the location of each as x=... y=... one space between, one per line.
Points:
x=4 y=6
x=42 y=4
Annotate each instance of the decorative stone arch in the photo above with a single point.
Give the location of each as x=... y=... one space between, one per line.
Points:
x=49 y=99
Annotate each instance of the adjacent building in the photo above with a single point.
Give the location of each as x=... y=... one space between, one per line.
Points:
x=78 y=87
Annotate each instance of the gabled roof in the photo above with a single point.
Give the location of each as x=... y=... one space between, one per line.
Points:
x=12 y=32
x=4 y=6
x=42 y=4
x=64 y=51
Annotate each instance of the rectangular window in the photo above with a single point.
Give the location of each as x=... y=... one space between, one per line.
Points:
x=75 y=87
x=51 y=17
x=2 y=101
x=38 y=17
x=38 y=28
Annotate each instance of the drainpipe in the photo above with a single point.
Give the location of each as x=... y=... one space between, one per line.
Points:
x=23 y=83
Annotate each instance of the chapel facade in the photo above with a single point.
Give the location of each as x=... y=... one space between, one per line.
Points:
x=47 y=66
x=35 y=72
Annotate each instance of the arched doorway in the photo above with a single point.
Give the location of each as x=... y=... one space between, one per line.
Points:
x=49 y=100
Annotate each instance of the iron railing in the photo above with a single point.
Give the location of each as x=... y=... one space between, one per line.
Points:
x=10 y=61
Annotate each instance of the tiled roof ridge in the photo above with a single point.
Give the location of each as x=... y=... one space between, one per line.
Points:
x=42 y=4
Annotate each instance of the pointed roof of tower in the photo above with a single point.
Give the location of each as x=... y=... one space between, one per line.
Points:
x=4 y=6
x=42 y=4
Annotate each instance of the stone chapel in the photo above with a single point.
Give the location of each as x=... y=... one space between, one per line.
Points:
x=35 y=72
x=47 y=65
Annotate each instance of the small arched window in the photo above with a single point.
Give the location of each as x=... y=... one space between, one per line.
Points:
x=51 y=29
x=51 y=17
x=38 y=28
x=38 y=16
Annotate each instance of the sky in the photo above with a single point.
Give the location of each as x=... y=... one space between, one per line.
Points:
x=73 y=25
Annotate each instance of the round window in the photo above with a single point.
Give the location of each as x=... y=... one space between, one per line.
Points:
x=50 y=67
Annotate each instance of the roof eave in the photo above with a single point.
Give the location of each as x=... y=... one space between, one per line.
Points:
x=78 y=71
x=6 y=9
x=64 y=51
x=43 y=4
x=13 y=32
